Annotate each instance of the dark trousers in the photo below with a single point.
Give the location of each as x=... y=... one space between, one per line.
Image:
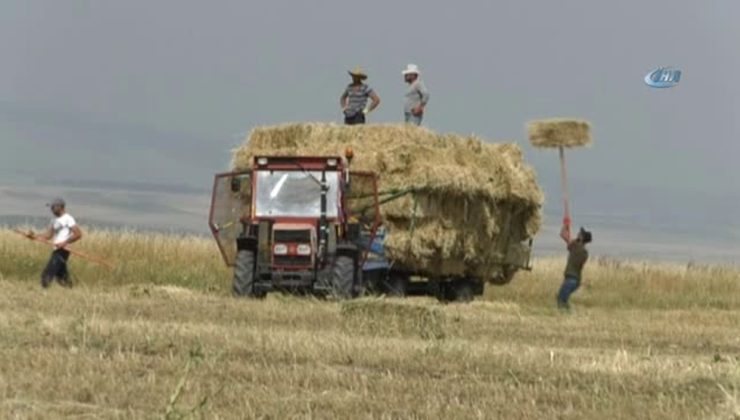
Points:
x=358 y=118
x=570 y=285
x=56 y=268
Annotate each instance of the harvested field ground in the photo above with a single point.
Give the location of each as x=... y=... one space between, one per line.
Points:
x=160 y=336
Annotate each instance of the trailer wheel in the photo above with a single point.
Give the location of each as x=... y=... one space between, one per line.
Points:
x=343 y=277
x=244 y=277
x=462 y=291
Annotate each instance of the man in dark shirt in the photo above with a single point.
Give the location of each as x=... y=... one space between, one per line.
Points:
x=354 y=99
x=577 y=257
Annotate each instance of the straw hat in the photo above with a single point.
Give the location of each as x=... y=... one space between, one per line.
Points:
x=411 y=69
x=358 y=72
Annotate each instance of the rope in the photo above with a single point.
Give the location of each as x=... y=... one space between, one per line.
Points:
x=412 y=227
x=394 y=195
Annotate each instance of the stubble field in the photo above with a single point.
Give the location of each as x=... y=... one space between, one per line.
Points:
x=160 y=336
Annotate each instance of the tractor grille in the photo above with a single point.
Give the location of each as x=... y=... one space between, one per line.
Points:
x=292 y=260
x=293 y=236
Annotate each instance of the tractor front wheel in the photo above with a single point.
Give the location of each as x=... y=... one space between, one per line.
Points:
x=244 y=275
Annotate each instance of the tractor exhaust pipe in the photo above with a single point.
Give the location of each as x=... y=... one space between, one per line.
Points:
x=323 y=222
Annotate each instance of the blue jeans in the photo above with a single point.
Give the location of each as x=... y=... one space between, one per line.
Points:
x=570 y=285
x=412 y=119
x=56 y=269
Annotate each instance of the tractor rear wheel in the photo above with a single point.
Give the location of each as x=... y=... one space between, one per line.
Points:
x=244 y=275
x=343 y=277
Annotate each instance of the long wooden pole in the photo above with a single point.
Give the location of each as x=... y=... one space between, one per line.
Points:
x=82 y=255
x=564 y=182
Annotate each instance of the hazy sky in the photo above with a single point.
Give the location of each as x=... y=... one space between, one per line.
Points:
x=159 y=91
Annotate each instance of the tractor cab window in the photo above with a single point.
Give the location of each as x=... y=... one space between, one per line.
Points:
x=295 y=194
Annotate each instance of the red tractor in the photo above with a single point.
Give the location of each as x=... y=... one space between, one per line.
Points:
x=296 y=224
x=310 y=225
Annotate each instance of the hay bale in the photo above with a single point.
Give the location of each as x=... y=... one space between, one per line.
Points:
x=471 y=197
x=559 y=132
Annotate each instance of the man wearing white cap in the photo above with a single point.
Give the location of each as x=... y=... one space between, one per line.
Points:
x=62 y=231
x=417 y=95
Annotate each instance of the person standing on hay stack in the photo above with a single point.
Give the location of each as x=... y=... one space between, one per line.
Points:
x=62 y=231
x=577 y=257
x=354 y=99
x=417 y=95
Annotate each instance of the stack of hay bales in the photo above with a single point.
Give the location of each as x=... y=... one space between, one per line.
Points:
x=473 y=199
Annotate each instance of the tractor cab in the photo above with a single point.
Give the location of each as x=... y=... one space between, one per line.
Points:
x=301 y=224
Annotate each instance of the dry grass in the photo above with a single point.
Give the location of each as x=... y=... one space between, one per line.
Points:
x=186 y=261
x=644 y=341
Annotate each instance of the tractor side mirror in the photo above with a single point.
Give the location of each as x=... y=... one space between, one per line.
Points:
x=236 y=185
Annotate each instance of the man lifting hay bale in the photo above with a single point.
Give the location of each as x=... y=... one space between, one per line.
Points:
x=577 y=257
x=561 y=134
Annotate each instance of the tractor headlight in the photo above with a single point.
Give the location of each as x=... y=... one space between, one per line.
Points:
x=331 y=162
x=280 y=249
x=303 y=249
x=262 y=161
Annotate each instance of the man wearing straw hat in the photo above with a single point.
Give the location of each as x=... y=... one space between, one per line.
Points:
x=62 y=231
x=354 y=99
x=417 y=95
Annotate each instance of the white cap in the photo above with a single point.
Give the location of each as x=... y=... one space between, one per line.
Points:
x=411 y=69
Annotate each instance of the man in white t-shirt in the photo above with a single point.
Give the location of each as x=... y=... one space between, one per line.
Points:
x=417 y=95
x=62 y=231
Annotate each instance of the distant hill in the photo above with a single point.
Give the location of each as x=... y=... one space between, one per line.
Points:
x=22 y=221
